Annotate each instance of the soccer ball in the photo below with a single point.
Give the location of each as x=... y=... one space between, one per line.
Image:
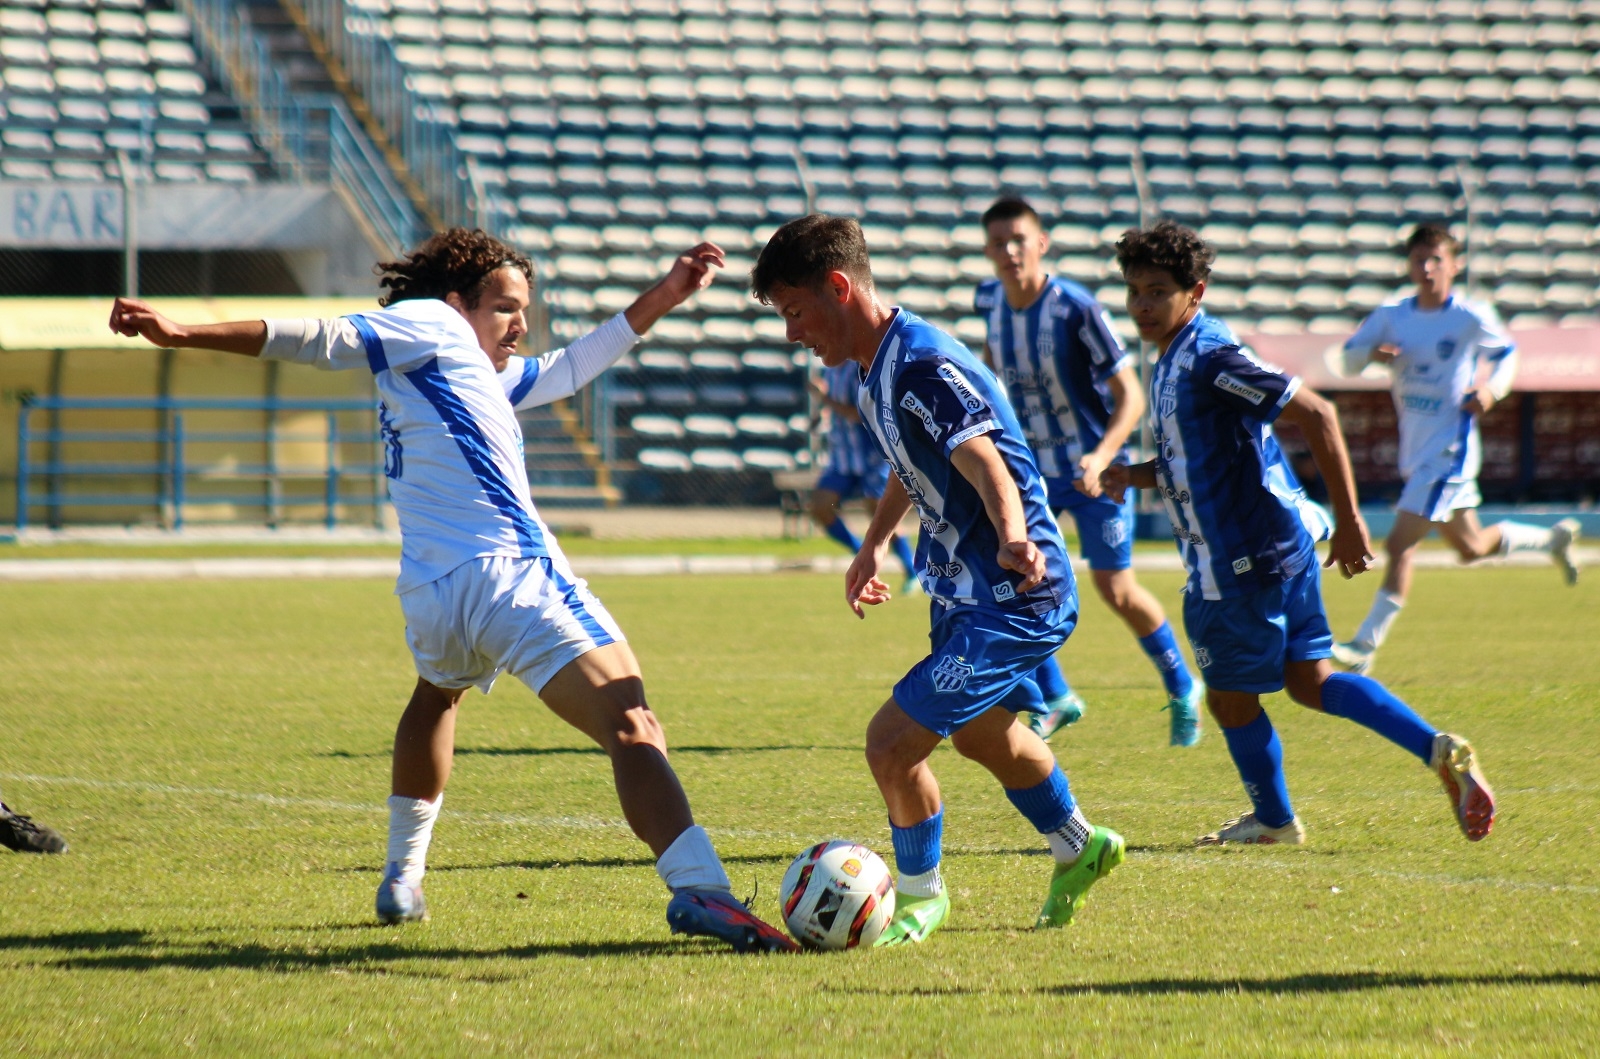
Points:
x=837 y=895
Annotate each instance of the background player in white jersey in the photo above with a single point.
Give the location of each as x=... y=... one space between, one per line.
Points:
x=990 y=556
x=1253 y=605
x=1436 y=344
x=855 y=467
x=484 y=587
x=1076 y=392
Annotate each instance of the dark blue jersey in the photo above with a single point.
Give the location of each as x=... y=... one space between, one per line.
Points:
x=1055 y=357
x=1234 y=503
x=925 y=395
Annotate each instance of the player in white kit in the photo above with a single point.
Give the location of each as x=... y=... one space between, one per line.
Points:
x=1436 y=344
x=484 y=587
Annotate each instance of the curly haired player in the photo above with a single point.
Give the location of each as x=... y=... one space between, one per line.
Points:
x=483 y=584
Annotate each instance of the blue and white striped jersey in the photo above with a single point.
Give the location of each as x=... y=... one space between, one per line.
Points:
x=850 y=450
x=1054 y=358
x=1235 y=504
x=452 y=445
x=1435 y=372
x=925 y=395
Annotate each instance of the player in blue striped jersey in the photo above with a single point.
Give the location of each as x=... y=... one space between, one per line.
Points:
x=1253 y=604
x=1076 y=392
x=990 y=557
x=483 y=585
x=855 y=467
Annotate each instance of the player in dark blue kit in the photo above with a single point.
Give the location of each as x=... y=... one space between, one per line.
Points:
x=990 y=556
x=1076 y=393
x=1253 y=603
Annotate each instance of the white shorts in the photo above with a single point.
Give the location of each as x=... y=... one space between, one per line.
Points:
x=1433 y=494
x=499 y=614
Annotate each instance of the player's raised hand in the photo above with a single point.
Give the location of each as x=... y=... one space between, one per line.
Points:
x=1025 y=558
x=1349 y=549
x=1114 y=481
x=862 y=583
x=131 y=317
x=691 y=272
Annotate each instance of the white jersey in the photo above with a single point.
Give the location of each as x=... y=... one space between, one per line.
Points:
x=1435 y=372
x=452 y=445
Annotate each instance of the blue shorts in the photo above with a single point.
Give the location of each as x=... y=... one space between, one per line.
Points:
x=981 y=659
x=1105 y=527
x=848 y=486
x=1243 y=643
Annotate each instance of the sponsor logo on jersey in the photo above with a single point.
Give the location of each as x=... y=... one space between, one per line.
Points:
x=951 y=675
x=1202 y=657
x=951 y=569
x=1425 y=405
x=910 y=403
x=1228 y=383
x=1003 y=591
x=1243 y=566
x=961 y=387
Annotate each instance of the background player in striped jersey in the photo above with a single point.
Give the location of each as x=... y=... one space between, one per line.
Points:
x=990 y=557
x=484 y=587
x=855 y=467
x=1253 y=604
x=1076 y=392
x=1436 y=345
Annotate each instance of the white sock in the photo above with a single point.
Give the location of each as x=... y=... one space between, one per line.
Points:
x=410 y=830
x=1521 y=537
x=929 y=884
x=1068 y=840
x=1375 y=628
x=692 y=862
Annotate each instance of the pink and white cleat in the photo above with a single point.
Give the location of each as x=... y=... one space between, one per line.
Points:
x=1457 y=767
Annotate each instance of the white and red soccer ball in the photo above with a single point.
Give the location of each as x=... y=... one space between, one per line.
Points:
x=837 y=895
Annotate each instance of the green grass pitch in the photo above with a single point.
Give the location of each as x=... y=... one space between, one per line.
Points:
x=217 y=753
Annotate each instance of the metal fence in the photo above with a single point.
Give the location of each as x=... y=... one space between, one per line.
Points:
x=176 y=460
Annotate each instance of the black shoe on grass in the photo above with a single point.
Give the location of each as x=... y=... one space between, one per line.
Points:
x=23 y=835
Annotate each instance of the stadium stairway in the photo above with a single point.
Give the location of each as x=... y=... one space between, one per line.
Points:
x=564 y=467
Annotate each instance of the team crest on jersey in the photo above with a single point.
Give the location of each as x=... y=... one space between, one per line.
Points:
x=963 y=389
x=1167 y=404
x=1447 y=348
x=1113 y=532
x=1202 y=657
x=891 y=430
x=951 y=675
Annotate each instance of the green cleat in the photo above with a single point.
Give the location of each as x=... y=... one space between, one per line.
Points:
x=1071 y=883
x=1059 y=713
x=914 y=919
x=1184 y=717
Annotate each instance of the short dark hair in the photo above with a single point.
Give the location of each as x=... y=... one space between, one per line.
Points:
x=1009 y=208
x=1170 y=246
x=1431 y=233
x=458 y=259
x=805 y=250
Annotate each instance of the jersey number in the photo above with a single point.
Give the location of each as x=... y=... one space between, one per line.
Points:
x=392 y=457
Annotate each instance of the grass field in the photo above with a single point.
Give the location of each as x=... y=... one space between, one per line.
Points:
x=217 y=755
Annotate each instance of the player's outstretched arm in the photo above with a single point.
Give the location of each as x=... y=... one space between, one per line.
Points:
x=980 y=463
x=861 y=582
x=690 y=274
x=1349 y=549
x=132 y=317
x=1127 y=405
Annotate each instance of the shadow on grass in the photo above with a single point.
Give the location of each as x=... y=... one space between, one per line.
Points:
x=1353 y=982
x=556 y=751
x=122 y=950
x=556 y=863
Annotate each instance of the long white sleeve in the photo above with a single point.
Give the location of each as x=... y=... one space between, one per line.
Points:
x=333 y=345
x=563 y=372
x=1503 y=373
x=1368 y=337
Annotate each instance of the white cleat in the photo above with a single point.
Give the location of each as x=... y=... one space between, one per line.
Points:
x=1464 y=783
x=1562 y=536
x=1248 y=831
x=1353 y=656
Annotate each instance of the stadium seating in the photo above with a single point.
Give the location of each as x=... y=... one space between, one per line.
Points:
x=84 y=79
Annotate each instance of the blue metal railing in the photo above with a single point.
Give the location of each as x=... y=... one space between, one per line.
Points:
x=309 y=137
x=173 y=471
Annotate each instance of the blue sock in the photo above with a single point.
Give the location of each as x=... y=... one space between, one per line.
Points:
x=1371 y=705
x=1162 y=647
x=841 y=533
x=1258 y=755
x=917 y=848
x=1048 y=805
x=902 y=551
x=1051 y=680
